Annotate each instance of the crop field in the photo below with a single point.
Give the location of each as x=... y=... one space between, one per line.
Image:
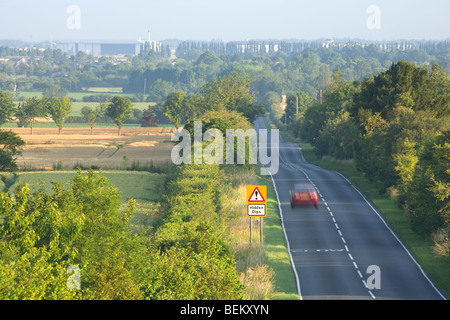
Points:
x=136 y=146
x=77 y=106
x=79 y=95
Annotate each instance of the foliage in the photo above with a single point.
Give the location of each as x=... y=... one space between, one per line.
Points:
x=10 y=144
x=196 y=262
x=59 y=109
x=92 y=116
x=149 y=119
x=32 y=108
x=394 y=126
x=54 y=91
x=83 y=223
x=7 y=107
x=119 y=110
x=173 y=107
x=42 y=234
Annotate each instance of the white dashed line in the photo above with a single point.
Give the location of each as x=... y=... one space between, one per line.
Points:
x=335 y=224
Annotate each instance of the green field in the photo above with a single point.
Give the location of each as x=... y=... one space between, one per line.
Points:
x=146 y=188
x=78 y=95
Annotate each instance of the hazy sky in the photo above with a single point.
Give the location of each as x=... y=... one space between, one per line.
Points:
x=36 y=20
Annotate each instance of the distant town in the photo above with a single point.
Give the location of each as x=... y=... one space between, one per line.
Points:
x=170 y=47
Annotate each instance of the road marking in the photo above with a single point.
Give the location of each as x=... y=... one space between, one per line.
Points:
x=318 y=250
x=297 y=280
x=395 y=236
x=332 y=216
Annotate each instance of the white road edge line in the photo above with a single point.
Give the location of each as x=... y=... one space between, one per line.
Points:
x=331 y=213
x=395 y=236
x=299 y=291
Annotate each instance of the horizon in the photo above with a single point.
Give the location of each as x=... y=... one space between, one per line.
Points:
x=232 y=20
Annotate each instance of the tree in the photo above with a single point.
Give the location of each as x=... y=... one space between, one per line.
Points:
x=402 y=82
x=54 y=91
x=173 y=108
x=91 y=116
x=297 y=104
x=230 y=93
x=59 y=109
x=149 y=119
x=11 y=144
x=31 y=109
x=7 y=107
x=77 y=224
x=119 y=110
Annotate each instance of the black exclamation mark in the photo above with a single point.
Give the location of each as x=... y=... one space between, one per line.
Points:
x=256 y=195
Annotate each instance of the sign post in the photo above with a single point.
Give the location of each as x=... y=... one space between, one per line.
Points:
x=256 y=207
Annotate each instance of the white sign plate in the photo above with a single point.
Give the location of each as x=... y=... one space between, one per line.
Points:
x=256 y=210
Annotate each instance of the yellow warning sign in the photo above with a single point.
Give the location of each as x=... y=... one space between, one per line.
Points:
x=256 y=201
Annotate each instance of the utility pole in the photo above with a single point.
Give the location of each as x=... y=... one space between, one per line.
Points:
x=145 y=85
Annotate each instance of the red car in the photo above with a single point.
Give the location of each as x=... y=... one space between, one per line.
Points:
x=304 y=194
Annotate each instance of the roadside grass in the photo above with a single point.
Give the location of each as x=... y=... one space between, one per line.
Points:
x=421 y=248
x=275 y=246
x=266 y=268
x=146 y=188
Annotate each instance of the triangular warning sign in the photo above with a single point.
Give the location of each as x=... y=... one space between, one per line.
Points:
x=256 y=196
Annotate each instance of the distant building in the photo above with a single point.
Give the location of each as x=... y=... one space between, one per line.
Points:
x=106 y=48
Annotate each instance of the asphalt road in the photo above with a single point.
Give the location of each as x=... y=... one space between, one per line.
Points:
x=344 y=249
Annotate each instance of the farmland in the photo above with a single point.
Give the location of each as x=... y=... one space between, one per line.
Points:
x=105 y=149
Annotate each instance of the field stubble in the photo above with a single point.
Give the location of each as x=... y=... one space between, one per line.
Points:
x=104 y=149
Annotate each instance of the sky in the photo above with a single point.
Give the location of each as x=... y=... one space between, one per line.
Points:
x=227 y=20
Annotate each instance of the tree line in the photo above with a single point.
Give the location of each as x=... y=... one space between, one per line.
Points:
x=283 y=72
x=307 y=68
x=119 y=109
x=82 y=225
x=75 y=242
x=395 y=127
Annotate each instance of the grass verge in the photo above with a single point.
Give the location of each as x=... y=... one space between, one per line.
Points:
x=275 y=247
x=265 y=269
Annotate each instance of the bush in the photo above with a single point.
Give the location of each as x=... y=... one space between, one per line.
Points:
x=194 y=260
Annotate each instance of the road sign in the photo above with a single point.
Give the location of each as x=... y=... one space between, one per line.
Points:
x=256 y=201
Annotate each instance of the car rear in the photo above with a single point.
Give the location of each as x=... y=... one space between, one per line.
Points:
x=304 y=194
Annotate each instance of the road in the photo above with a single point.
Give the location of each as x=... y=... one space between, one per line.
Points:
x=344 y=249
